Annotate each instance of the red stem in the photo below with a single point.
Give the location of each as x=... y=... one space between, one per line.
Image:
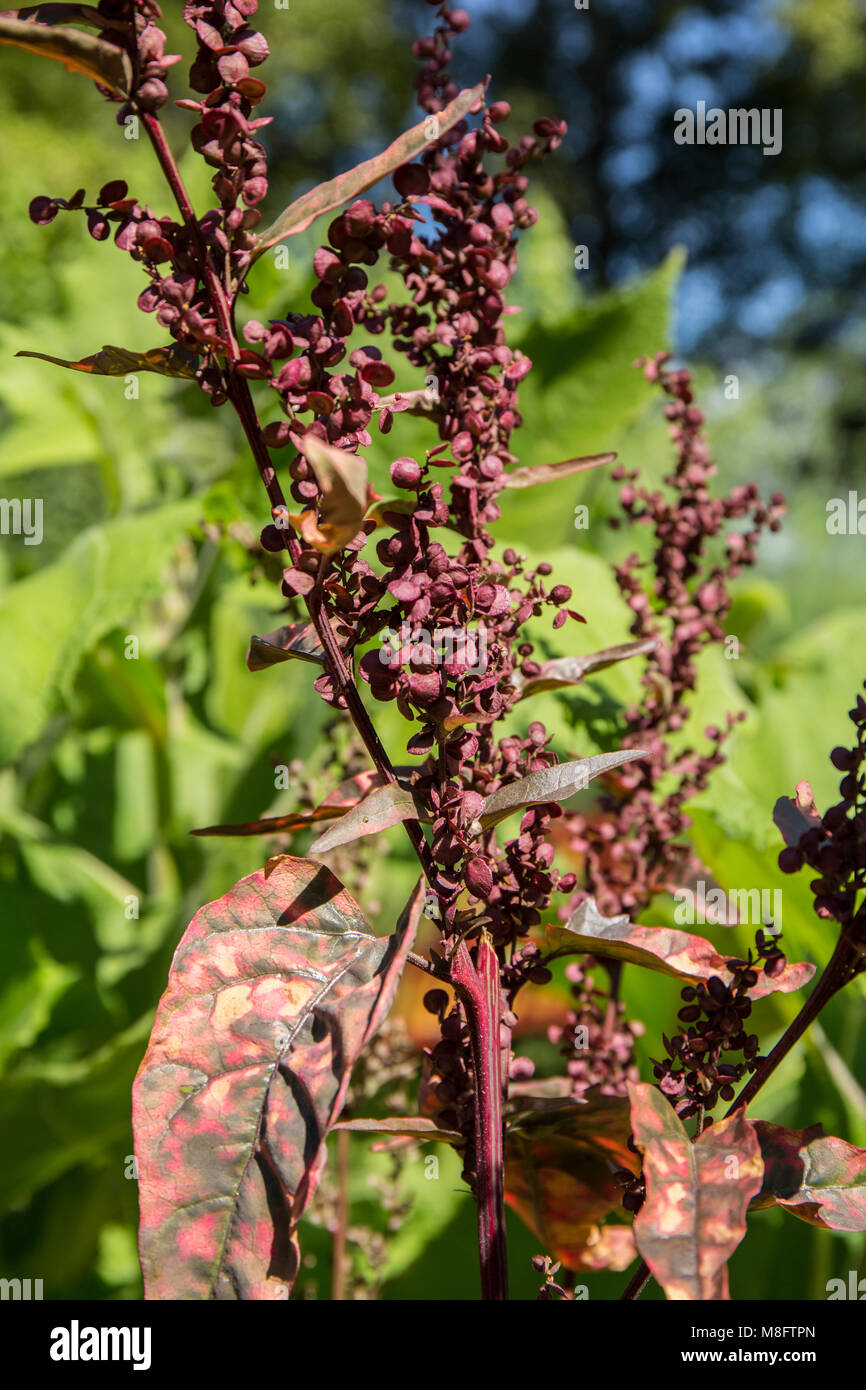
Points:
x=479 y=991
x=340 y=1272
x=832 y=979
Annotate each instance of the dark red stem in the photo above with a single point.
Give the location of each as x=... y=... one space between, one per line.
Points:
x=478 y=987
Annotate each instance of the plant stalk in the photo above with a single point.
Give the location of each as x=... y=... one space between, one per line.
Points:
x=479 y=991
x=340 y=1270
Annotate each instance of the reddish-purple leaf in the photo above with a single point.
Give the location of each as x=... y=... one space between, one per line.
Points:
x=532 y=475
x=379 y=810
x=273 y=992
x=116 y=361
x=664 y=949
x=325 y=197
x=697 y=1195
x=560 y=1158
x=555 y=783
x=820 y=1179
x=77 y=50
x=335 y=804
x=297 y=641
x=571 y=670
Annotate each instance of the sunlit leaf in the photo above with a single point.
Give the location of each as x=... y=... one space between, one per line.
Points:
x=571 y=670
x=410 y=1126
x=697 y=1195
x=820 y=1179
x=664 y=949
x=117 y=361
x=274 y=991
x=325 y=197
x=342 y=478
x=75 y=49
x=297 y=641
x=379 y=810
x=794 y=815
x=552 y=472
x=555 y=783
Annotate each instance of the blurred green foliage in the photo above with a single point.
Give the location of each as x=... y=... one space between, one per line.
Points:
x=128 y=716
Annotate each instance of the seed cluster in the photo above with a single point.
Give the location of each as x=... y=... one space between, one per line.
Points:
x=638 y=849
x=693 y=1075
x=835 y=844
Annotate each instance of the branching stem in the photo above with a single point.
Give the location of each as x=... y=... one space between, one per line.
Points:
x=479 y=988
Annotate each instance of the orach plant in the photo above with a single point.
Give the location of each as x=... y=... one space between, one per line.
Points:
x=277 y=989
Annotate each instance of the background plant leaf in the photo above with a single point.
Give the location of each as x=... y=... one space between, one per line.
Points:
x=273 y=992
x=52 y=618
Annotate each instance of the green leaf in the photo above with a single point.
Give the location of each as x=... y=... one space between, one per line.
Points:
x=327 y=196
x=52 y=618
x=29 y=991
x=76 y=50
x=65 y=1113
x=582 y=373
x=736 y=862
x=70 y=874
